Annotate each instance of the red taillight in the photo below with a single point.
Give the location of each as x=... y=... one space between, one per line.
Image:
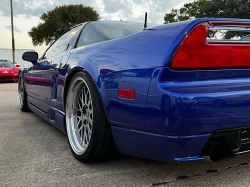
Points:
x=126 y=93
x=195 y=53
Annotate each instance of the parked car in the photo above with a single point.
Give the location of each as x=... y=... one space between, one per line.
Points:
x=149 y=93
x=8 y=71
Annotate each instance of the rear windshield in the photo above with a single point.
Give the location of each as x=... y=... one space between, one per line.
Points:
x=103 y=31
x=6 y=63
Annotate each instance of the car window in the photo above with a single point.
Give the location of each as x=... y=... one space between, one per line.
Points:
x=75 y=33
x=2 y=63
x=6 y=63
x=65 y=42
x=102 y=31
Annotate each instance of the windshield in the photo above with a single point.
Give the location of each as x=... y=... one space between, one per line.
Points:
x=6 y=63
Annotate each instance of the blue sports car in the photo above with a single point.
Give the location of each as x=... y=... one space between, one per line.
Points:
x=177 y=92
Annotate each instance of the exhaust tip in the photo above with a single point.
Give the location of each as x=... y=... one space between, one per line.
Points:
x=216 y=152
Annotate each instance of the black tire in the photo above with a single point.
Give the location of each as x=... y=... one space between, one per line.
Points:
x=22 y=96
x=101 y=145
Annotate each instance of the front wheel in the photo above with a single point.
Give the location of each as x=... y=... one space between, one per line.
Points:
x=22 y=95
x=88 y=130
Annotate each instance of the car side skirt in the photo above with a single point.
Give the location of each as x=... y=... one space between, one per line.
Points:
x=58 y=119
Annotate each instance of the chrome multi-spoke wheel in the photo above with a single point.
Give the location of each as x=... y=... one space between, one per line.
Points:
x=20 y=91
x=89 y=133
x=79 y=115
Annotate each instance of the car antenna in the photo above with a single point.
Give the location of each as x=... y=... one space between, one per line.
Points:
x=146 y=19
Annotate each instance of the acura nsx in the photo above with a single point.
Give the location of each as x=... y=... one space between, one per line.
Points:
x=176 y=92
x=8 y=71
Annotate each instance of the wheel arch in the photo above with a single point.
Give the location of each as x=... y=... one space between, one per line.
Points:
x=69 y=77
x=20 y=71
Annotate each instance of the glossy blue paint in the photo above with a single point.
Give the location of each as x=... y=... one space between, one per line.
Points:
x=184 y=104
x=130 y=61
x=173 y=113
x=159 y=147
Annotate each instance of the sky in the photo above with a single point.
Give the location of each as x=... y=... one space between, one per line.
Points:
x=27 y=13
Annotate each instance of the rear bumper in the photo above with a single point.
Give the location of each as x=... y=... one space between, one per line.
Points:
x=191 y=107
x=180 y=149
x=184 y=111
x=159 y=147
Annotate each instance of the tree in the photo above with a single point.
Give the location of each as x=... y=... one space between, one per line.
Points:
x=188 y=11
x=210 y=8
x=59 y=20
x=228 y=9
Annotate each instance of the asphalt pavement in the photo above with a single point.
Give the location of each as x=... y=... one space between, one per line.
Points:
x=34 y=153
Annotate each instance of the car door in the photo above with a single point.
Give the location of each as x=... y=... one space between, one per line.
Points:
x=59 y=68
x=38 y=85
x=40 y=81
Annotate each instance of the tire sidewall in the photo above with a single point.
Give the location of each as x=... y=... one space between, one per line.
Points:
x=92 y=90
x=20 y=82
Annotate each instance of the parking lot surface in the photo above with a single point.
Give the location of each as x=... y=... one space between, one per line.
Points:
x=34 y=153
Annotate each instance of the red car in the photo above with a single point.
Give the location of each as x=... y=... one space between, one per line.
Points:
x=8 y=71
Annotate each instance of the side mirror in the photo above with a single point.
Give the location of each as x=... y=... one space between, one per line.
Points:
x=17 y=65
x=30 y=56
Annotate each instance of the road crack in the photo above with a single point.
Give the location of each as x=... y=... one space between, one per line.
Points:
x=197 y=175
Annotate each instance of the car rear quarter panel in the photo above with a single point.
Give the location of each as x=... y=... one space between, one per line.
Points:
x=128 y=62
